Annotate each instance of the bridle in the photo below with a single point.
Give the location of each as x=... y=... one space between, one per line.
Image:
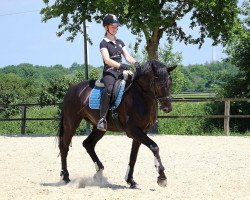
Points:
x=155 y=95
x=165 y=98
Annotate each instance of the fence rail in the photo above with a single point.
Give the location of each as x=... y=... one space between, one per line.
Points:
x=226 y=115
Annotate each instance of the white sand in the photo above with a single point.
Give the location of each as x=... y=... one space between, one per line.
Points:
x=198 y=167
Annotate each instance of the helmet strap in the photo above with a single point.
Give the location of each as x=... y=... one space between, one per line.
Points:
x=109 y=31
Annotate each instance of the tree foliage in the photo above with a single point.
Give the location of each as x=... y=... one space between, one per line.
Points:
x=15 y=89
x=237 y=85
x=54 y=91
x=238 y=51
x=171 y=58
x=211 y=18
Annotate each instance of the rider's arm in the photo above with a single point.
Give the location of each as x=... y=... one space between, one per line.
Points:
x=108 y=60
x=127 y=56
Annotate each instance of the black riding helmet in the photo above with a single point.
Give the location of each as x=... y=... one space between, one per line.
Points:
x=110 y=19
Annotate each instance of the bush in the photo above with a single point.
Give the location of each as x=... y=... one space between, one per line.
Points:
x=189 y=126
x=10 y=128
x=39 y=127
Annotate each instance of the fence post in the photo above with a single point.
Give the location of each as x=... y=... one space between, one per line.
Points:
x=226 y=117
x=23 y=127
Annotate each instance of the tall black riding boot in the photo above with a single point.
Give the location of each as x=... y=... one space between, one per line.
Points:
x=102 y=123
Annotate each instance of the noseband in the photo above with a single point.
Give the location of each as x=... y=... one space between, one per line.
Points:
x=166 y=98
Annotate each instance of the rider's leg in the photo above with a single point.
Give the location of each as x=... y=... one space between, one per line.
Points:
x=102 y=123
x=108 y=82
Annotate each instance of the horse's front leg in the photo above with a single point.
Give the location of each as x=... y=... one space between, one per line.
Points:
x=141 y=137
x=162 y=179
x=133 y=156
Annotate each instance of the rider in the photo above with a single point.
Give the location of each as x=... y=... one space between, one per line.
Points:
x=111 y=49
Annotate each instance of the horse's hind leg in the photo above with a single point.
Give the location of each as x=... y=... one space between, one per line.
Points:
x=89 y=144
x=68 y=130
x=133 y=156
x=64 y=148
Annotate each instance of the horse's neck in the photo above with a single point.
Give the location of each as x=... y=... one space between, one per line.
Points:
x=145 y=86
x=146 y=102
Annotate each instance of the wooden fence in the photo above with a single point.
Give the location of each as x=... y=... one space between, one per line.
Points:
x=226 y=115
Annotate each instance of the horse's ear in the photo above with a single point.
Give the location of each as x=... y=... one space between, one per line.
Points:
x=171 y=68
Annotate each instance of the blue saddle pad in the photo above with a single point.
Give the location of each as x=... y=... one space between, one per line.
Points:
x=96 y=94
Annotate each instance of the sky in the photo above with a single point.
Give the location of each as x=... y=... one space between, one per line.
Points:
x=24 y=38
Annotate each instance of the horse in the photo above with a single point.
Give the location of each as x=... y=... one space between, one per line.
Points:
x=137 y=113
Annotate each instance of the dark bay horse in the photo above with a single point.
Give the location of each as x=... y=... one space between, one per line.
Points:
x=137 y=114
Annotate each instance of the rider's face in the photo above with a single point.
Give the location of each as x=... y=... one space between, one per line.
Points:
x=113 y=29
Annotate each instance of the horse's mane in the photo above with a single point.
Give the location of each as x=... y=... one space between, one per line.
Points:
x=145 y=68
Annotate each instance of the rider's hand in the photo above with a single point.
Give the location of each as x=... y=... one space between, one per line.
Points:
x=125 y=66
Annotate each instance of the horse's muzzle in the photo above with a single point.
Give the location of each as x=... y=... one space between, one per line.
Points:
x=166 y=109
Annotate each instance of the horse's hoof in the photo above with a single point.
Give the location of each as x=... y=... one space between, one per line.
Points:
x=65 y=177
x=66 y=180
x=133 y=184
x=162 y=182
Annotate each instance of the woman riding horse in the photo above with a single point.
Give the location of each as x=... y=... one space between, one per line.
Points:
x=111 y=50
x=137 y=114
x=137 y=111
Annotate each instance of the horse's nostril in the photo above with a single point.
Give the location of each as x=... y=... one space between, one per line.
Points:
x=167 y=110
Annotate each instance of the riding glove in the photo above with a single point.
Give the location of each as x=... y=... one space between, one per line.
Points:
x=125 y=66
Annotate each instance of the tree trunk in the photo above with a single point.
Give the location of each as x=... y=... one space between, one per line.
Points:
x=152 y=50
x=152 y=46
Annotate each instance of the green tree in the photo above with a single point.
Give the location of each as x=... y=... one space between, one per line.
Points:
x=238 y=51
x=238 y=84
x=167 y=56
x=55 y=90
x=211 y=18
x=178 y=81
x=171 y=58
x=15 y=90
x=94 y=74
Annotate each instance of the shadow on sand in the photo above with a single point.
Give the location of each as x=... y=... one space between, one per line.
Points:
x=97 y=181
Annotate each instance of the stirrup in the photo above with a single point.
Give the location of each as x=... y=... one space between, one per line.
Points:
x=102 y=125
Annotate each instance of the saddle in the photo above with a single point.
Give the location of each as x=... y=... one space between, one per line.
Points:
x=118 y=90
